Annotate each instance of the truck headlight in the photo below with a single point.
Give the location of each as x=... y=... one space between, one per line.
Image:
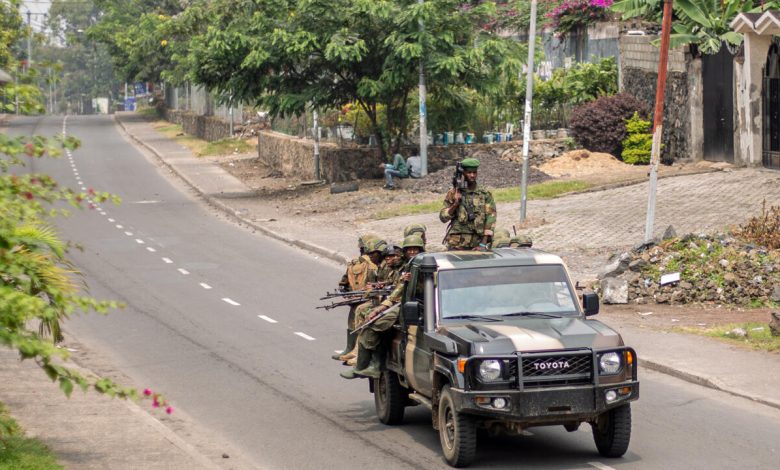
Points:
x=490 y=370
x=609 y=363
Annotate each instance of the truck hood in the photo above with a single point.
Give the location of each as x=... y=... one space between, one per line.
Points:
x=531 y=334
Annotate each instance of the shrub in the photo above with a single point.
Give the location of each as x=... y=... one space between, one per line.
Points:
x=764 y=229
x=600 y=126
x=639 y=143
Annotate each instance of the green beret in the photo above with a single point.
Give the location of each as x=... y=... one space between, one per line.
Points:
x=470 y=163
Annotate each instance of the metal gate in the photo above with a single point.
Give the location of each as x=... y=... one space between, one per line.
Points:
x=717 y=72
x=771 y=115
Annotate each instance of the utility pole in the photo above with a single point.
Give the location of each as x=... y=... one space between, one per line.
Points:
x=316 y=125
x=529 y=97
x=423 y=108
x=29 y=40
x=658 y=119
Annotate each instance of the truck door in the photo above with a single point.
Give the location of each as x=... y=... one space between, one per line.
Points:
x=418 y=359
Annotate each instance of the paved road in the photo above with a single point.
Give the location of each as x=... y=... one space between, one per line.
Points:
x=222 y=321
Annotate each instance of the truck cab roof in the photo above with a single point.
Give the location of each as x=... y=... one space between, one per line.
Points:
x=482 y=259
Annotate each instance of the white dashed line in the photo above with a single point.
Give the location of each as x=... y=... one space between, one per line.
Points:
x=183 y=271
x=304 y=336
x=139 y=241
x=339 y=351
x=150 y=249
x=167 y=260
x=129 y=234
x=268 y=319
x=205 y=286
x=600 y=466
x=111 y=220
x=231 y=302
x=119 y=226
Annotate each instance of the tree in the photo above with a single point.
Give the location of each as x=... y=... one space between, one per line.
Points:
x=293 y=55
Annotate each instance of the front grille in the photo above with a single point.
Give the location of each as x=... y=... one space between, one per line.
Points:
x=558 y=369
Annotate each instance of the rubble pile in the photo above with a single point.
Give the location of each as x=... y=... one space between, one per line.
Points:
x=694 y=269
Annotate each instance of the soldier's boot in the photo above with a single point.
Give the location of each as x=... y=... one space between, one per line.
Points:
x=374 y=369
x=351 y=355
x=363 y=360
x=351 y=340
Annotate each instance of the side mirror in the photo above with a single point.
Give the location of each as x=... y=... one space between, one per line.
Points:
x=411 y=313
x=590 y=303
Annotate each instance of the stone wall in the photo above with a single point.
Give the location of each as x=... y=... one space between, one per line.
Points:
x=209 y=128
x=683 y=122
x=294 y=157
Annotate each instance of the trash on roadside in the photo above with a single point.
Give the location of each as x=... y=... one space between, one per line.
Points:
x=644 y=314
x=669 y=278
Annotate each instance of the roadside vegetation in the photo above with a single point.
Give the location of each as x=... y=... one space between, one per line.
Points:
x=756 y=335
x=545 y=190
x=200 y=147
x=19 y=452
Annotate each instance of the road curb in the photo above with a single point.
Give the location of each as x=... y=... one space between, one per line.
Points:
x=701 y=380
x=233 y=213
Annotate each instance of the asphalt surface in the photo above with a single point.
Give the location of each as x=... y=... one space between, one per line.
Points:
x=223 y=322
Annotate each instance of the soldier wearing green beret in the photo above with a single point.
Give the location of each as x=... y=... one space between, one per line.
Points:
x=470 y=211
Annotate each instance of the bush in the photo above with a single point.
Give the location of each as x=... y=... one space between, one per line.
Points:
x=638 y=146
x=764 y=229
x=600 y=126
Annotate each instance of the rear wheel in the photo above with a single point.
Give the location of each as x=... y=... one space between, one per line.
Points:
x=612 y=431
x=389 y=398
x=457 y=432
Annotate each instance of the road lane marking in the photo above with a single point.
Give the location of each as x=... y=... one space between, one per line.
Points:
x=304 y=336
x=167 y=260
x=339 y=351
x=139 y=241
x=183 y=271
x=205 y=286
x=268 y=319
x=129 y=234
x=231 y=302
x=150 y=249
x=111 y=220
x=146 y=202
x=119 y=226
x=600 y=466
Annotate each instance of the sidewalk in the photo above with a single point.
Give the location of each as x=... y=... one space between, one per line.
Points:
x=577 y=226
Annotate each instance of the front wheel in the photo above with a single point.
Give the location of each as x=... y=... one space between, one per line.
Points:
x=457 y=432
x=389 y=398
x=612 y=431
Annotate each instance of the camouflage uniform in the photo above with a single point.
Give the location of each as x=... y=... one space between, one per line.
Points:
x=462 y=233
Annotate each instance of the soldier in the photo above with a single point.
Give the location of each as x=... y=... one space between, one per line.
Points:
x=501 y=239
x=521 y=241
x=419 y=229
x=471 y=212
x=360 y=271
x=370 y=354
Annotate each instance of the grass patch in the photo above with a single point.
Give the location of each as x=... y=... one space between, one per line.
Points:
x=18 y=452
x=225 y=147
x=759 y=336
x=546 y=190
x=148 y=113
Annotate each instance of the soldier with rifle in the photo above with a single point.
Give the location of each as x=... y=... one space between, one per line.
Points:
x=469 y=209
x=382 y=318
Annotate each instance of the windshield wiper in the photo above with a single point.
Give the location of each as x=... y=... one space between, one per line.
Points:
x=528 y=314
x=470 y=317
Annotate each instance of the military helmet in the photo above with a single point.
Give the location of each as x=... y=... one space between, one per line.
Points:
x=413 y=240
x=376 y=244
x=415 y=228
x=500 y=242
x=521 y=241
x=365 y=238
x=392 y=250
x=501 y=233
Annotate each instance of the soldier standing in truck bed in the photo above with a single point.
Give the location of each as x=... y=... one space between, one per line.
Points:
x=470 y=211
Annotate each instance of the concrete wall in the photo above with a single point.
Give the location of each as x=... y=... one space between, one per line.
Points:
x=683 y=125
x=748 y=77
x=294 y=157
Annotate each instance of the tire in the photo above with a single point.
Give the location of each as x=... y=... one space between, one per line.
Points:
x=457 y=432
x=612 y=431
x=389 y=398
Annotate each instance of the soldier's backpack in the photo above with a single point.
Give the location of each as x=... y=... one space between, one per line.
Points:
x=358 y=272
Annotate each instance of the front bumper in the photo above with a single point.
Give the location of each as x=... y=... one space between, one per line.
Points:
x=546 y=405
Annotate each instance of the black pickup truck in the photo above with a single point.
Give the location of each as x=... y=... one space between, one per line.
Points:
x=501 y=340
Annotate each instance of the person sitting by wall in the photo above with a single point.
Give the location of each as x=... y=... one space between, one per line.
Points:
x=401 y=169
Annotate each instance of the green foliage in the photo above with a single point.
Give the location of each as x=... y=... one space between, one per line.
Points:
x=18 y=452
x=639 y=143
x=600 y=126
x=759 y=335
x=581 y=83
x=11 y=29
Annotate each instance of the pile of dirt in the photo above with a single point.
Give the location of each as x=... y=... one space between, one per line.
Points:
x=493 y=173
x=717 y=268
x=583 y=162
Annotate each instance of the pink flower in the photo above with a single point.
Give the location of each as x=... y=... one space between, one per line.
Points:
x=147 y=392
x=169 y=410
x=155 y=403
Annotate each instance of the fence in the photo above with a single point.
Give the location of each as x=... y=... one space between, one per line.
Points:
x=199 y=101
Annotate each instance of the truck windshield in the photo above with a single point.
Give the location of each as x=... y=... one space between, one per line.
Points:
x=498 y=291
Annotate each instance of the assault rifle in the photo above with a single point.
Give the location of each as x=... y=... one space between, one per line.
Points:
x=460 y=184
x=354 y=297
x=371 y=321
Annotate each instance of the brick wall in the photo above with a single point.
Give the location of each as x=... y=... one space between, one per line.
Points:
x=638 y=52
x=208 y=128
